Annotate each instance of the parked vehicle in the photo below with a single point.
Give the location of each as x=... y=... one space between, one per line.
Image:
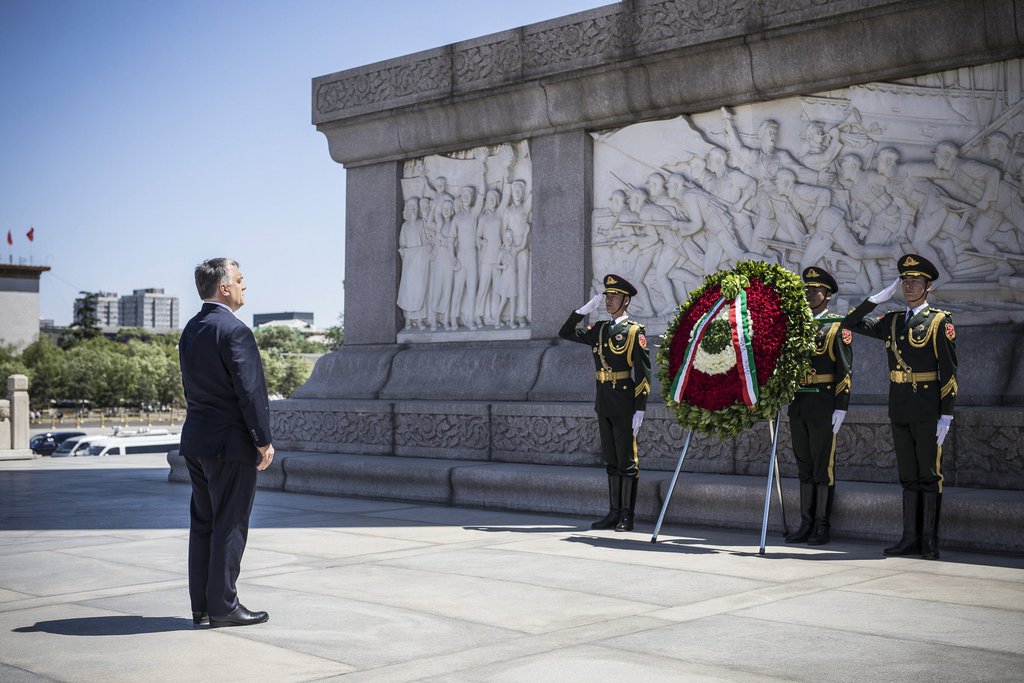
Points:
x=76 y=445
x=46 y=444
x=141 y=441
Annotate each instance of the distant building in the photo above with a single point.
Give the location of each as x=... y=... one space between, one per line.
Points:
x=19 y=304
x=148 y=308
x=107 y=305
x=264 y=318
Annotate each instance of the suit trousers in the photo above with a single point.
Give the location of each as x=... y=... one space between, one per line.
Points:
x=814 y=446
x=618 y=445
x=222 y=497
x=918 y=456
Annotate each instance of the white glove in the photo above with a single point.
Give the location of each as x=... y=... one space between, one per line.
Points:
x=592 y=305
x=638 y=419
x=942 y=428
x=837 y=420
x=886 y=293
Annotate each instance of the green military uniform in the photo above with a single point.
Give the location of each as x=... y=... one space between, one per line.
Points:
x=922 y=387
x=623 y=378
x=824 y=390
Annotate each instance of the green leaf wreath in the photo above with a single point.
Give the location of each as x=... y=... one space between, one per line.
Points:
x=780 y=331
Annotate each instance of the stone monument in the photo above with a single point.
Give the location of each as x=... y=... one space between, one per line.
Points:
x=491 y=183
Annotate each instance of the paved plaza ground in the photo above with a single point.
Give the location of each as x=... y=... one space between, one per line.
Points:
x=93 y=587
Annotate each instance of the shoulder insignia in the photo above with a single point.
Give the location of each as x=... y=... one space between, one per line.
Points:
x=847 y=336
x=950 y=331
x=643 y=341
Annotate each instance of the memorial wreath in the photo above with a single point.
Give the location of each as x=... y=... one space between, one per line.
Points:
x=736 y=350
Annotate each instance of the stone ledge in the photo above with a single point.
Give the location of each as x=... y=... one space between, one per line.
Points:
x=983 y=520
x=18 y=454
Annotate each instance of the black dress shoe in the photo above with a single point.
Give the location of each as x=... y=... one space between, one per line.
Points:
x=200 y=617
x=240 y=616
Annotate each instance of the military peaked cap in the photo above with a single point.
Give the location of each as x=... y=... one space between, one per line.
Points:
x=618 y=285
x=915 y=264
x=816 y=275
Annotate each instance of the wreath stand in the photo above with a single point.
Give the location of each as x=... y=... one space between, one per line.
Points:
x=773 y=472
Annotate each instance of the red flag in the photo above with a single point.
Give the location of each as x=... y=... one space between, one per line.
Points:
x=31 y=234
x=10 y=240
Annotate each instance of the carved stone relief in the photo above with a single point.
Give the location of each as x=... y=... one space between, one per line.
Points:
x=847 y=179
x=464 y=242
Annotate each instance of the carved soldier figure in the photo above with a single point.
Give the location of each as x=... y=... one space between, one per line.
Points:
x=623 y=368
x=818 y=410
x=921 y=347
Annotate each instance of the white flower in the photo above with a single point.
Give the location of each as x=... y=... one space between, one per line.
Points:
x=715 y=363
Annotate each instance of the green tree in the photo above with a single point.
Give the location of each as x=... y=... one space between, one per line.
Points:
x=334 y=336
x=87 y=323
x=10 y=364
x=48 y=372
x=285 y=340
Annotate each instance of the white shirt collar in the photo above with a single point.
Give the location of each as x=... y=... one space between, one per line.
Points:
x=915 y=311
x=824 y=312
x=621 y=318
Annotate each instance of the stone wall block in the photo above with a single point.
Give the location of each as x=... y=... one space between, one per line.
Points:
x=451 y=372
x=336 y=426
x=989 y=447
x=467 y=122
x=566 y=372
x=350 y=372
x=371 y=253
x=369 y=477
x=459 y=430
x=562 y=185
x=545 y=433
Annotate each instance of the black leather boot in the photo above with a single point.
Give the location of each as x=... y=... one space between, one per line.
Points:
x=628 y=503
x=823 y=495
x=806 y=514
x=931 y=509
x=910 y=542
x=614 y=505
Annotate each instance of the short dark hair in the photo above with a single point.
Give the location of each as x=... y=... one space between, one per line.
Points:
x=211 y=273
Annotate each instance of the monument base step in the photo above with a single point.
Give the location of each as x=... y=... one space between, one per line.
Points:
x=18 y=454
x=985 y=520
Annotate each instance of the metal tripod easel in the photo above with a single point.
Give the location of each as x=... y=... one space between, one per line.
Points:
x=773 y=472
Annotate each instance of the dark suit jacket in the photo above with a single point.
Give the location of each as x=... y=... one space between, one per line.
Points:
x=225 y=389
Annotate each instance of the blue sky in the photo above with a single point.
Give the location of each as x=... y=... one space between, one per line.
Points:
x=139 y=137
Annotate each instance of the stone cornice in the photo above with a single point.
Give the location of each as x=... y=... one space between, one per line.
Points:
x=646 y=58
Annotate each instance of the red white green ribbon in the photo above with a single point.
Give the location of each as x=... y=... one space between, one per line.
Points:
x=683 y=374
x=742 y=342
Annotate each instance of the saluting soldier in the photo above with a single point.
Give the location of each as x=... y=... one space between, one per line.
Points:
x=623 y=367
x=921 y=345
x=818 y=410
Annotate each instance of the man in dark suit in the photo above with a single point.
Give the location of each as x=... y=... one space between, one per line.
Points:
x=225 y=441
x=818 y=410
x=623 y=374
x=920 y=343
